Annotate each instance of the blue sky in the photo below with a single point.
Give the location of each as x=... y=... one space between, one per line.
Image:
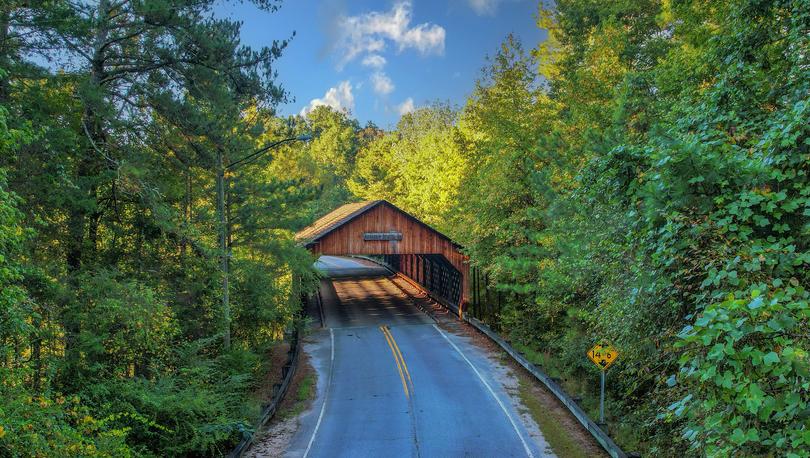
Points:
x=381 y=58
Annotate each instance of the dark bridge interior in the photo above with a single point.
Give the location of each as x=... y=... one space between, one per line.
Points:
x=431 y=271
x=359 y=292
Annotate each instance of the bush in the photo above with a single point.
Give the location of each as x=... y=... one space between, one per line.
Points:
x=40 y=425
x=199 y=409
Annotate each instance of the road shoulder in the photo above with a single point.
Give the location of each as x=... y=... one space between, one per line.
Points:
x=541 y=413
x=308 y=385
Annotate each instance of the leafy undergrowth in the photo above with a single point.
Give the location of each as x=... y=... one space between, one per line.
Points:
x=200 y=409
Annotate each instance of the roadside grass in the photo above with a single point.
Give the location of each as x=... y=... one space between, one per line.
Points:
x=306 y=390
x=538 y=359
x=622 y=430
x=555 y=433
x=304 y=393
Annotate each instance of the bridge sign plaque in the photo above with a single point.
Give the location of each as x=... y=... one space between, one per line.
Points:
x=374 y=236
x=603 y=355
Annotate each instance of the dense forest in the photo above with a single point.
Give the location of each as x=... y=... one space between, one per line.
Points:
x=641 y=176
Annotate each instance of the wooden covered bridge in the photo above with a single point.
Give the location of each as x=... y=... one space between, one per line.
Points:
x=382 y=231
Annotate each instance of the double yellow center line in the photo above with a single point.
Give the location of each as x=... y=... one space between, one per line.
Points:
x=404 y=375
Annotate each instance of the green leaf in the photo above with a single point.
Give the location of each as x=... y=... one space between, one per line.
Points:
x=738 y=436
x=756 y=303
x=771 y=358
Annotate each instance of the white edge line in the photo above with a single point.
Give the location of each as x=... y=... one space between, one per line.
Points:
x=325 y=392
x=491 y=391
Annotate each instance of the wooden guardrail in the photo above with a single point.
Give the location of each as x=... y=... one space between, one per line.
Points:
x=288 y=372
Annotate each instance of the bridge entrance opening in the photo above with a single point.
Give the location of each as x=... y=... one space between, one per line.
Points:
x=359 y=292
x=383 y=233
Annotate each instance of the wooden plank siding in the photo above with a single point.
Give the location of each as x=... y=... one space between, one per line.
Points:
x=417 y=238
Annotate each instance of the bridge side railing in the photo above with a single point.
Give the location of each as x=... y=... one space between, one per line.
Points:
x=431 y=271
x=485 y=302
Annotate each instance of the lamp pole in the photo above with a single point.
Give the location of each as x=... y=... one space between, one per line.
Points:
x=225 y=255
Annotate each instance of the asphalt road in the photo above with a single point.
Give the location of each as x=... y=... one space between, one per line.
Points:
x=394 y=384
x=340 y=266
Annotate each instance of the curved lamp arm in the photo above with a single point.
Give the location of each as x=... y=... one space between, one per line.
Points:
x=259 y=152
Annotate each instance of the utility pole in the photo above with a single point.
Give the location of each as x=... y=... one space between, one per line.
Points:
x=224 y=263
x=223 y=224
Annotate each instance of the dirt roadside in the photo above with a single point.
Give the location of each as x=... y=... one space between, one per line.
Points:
x=273 y=440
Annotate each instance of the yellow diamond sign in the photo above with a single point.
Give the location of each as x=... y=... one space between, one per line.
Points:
x=603 y=355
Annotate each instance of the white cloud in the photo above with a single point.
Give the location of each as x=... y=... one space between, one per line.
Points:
x=367 y=33
x=484 y=7
x=406 y=106
x=382 y=83
x=374 y=61
x=339 y=97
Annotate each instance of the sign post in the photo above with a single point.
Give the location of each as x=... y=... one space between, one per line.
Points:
x=602 y=399
x=603 y=355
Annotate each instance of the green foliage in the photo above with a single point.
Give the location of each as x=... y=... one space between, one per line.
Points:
x=125 y=328
x=418 y=167
x=322 y=166
x=110 y=309
x=506 y=190
x=13 y=311
x=641 y=176
x=36 y=425
x=197 y=409
x=31 y=423
x=746 y=368
x=651 y=189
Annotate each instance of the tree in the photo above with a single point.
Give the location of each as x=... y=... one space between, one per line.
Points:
x=419 y=167
x=506 y=190
x=118 y=113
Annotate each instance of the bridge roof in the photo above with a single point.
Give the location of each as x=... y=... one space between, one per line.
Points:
x=344 y=214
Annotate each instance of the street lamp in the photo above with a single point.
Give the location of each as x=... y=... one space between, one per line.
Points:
x=223 y=224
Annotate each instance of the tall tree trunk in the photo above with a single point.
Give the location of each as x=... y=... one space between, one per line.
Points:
x=36 y=355
x=82 y=221
x=5 y=50
x=89 y=165
x=223 y=246
x=186 y=218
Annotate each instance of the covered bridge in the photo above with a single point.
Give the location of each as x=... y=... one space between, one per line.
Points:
x=382 y=231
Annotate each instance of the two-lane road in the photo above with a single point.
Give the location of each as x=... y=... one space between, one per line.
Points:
x=392 y=383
